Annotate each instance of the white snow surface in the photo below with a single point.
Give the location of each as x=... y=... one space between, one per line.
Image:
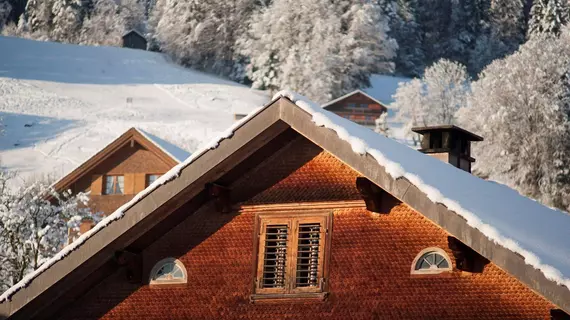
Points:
x=172 y=150
x=536 y=232
x=62 y=103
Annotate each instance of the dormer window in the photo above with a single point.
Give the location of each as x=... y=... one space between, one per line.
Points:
x=291 y=259
x=168 y=271
x=114 y=184
x=431 y=261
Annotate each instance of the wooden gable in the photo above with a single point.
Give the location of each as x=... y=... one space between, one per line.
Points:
x=154 y=215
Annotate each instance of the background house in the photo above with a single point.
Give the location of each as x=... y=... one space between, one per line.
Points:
x=122 y=169
x=357 y=106
x=134 y=40
x=282 y=218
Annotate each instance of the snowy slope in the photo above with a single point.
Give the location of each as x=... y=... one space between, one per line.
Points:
x=61 y=103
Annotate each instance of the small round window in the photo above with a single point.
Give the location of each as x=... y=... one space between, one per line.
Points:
x=431 y=261
x=168 y=271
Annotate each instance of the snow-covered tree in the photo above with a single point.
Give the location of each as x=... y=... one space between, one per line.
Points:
x=343 y=44
x=66 y=20
x=132 y=15
x=464 y=28
x=410 y=58
x=507 y=20
x=366 y=48
x=433 y=17
x=521 y=105
x=548 y=16
x=104 y=26
x=435 y=98
x=5 y=9
x=34 y=224
x=39 y=18
x=201 y=34
x=381 y=124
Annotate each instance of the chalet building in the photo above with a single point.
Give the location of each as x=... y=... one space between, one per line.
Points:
x=295 y=217
x=134 y=40
x=125 y=167
x=357 y=106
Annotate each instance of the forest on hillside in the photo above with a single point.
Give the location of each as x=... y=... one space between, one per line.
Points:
x=269 y=43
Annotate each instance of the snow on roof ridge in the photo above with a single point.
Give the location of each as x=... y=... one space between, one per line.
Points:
x=119 y=213
x=350 y=94
x=322 y=118
x=175 y=152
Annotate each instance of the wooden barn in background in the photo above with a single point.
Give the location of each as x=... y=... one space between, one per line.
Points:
x=134 y=40
x=358 y=107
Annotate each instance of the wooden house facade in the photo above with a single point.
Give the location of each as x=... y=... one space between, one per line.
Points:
x=121 y=169
x=284 y=220
x=358 y=107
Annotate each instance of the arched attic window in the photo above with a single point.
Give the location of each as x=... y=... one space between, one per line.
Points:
x=168 y=271
x=431 y=261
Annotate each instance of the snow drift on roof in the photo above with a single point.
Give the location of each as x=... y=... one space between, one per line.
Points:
x=172 y=150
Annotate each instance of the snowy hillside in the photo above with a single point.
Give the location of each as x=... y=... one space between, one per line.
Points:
x=62 y=103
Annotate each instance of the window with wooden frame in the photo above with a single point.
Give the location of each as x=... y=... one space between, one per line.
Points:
x=114 y=184
x=292 y=253
x=150 y=178
x=431 y=261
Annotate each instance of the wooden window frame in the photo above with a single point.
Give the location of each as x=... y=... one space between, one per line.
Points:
x=156 y=268
x=147 y=176
x=425 y=251
x=115 y=183
x=292 y=218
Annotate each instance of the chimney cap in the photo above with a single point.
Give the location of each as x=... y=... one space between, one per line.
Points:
x=449 y=127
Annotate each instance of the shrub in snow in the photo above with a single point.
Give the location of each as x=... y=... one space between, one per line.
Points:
x=521 y=105
x=33 y=228
x=382 y=124
x=433 y=99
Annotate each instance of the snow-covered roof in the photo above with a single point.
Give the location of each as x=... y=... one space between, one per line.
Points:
x=537 y=233
x=170 y=149
x=174 y=152
x=135 y=31
x=351 y=94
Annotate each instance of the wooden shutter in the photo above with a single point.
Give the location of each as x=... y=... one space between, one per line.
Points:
x=292 y=258
x=97 y=185
x=274 y=256
x=129 y=183
x=140 y=182
x=308 y=264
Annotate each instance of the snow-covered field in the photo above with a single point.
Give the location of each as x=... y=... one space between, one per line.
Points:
x=62 y=103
